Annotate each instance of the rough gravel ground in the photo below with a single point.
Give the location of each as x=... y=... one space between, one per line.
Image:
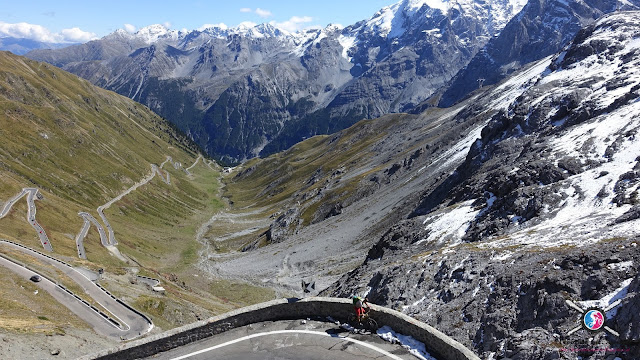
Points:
x=325 y=251
x=73 y=344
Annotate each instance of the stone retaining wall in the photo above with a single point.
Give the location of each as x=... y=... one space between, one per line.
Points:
x=437 y=343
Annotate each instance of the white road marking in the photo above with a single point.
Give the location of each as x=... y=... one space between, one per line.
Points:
x=370 y=346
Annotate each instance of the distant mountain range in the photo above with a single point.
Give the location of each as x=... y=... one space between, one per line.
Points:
x=248 y=91
x=244 y=91
x=20 y=46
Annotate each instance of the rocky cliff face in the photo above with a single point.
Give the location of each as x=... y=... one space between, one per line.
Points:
x=288 y=86
x=543 y=209
x=541 y=29
x=482 y=219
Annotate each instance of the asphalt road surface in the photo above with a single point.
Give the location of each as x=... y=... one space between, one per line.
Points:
x=31 y=214
x=88 y=219
x=132 y=324
x=291 y=340
x=154 y=170
x=99 y=324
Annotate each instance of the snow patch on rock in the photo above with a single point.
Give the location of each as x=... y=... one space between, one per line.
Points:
x=414 y=346
x=347 y=42
x=451 y=225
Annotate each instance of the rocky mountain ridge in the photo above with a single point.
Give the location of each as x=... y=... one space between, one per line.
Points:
x=482 y=219
x=243 y=91
x=541 y=29
x=542 y=210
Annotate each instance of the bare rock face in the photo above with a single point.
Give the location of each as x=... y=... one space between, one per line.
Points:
x=543 y=210
x=247 y=91
x=282 y=226
x=541 y=29
x=514 y=307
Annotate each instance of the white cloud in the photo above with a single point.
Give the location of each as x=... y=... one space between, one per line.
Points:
x=245 y=10
x=40 y=33
x=27 y=31
x=77 y=35
x=167 y=24
x=294 y=24
x=263 y=13
x=223 y=26
x=129 y=28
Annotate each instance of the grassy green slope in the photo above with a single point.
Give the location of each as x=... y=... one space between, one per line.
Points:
x=83 y=146
x=80 y=145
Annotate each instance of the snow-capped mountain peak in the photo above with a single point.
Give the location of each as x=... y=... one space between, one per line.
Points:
x=246 y=29
x=266 y=30
x=391 y=21
x=152 y=33
x=121 y=32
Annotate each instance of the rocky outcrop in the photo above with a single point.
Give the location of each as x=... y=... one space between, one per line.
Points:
x=283 y=226
x=244 y=91
x=541 y=29
x=503 y=301
x=627 y=317
x=542 y=210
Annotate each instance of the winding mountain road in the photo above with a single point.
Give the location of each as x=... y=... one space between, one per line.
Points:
x=88 y=220
x=124 y=322
x=109 y=241
x=31 y=214
x=192 y=165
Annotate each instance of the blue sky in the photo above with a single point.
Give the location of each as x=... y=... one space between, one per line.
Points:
x=79 y=21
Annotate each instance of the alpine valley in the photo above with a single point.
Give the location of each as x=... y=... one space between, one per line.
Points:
x=472 y=164
x=240 y=92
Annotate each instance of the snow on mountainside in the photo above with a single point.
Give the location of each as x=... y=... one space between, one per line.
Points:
x=542 y=28
x=594 y=85
x=483 y=19
x=392 y=21
x=288 y=86
x=543 y=209
x=586 y=101
x=154 y=33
